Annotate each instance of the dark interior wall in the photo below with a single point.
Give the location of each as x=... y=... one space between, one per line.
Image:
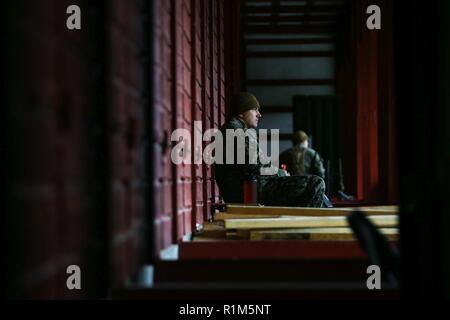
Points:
x=126 y=101
x=88 y=172
x=40 y=241
x=162 y=122
x=194 y=69
x=422 y=79
x=233 y=46
x=44 y=79
x=443 y=138
x=364 y=70
x=76 y=140
x=387 y=137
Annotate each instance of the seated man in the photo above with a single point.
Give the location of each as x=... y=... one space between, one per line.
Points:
x=300 y=159
x=276 y=189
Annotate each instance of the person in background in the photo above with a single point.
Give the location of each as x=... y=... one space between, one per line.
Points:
x=301 y=159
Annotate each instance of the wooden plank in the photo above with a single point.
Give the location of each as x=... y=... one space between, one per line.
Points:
x=389 y=208
x=305 y=222
x=278 y=41
x=201 y=238
x=210 y=230
x=321 y=234
x=240 y=234
x=289 y=54
x=211 y=226
x=289 y=82
x=221 y=216
x=295 y=211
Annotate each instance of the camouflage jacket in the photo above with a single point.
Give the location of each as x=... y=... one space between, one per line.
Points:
x=301 y=161
x=230 y=177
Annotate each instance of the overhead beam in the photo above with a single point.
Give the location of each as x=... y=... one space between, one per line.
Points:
x=276 y=41
x=293 y=19
x=289 y=54
x=294 y=9
x=289 y=82
x=300 y=29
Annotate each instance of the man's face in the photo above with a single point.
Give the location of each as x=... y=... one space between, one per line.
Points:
x=251 y=117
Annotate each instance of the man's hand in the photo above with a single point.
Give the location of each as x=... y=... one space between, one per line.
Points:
x=283 y=173
x=283 y=168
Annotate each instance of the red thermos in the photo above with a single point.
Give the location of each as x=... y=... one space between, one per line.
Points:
x=250 y=190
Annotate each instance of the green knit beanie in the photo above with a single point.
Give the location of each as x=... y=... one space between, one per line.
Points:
x=299 y=137
x=243 y=102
